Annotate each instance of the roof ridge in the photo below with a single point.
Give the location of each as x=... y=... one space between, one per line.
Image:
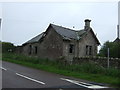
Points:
x=64 y=27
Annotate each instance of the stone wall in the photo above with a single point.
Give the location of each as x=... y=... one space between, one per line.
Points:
x=102 y=61
x=88 y=39
x=51 y=47
x=69 y=56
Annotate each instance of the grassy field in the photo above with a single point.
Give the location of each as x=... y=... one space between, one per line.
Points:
x=85 y=71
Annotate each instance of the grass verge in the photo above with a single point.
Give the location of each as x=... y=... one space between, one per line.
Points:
x=84 y=71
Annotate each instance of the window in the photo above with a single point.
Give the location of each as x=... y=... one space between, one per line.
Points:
x=71 y=48
x=88 y=50
x=30 y=49
x=35 y=49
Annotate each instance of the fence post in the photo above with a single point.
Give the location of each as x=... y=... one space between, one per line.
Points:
x=108 y=62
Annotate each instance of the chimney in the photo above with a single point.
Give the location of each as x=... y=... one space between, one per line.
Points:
x=87 y=24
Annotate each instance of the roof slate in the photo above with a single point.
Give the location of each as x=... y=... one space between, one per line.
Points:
x=66 y=33
x=35 y=39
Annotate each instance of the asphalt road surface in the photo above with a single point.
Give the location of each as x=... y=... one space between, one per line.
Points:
x=17 y=76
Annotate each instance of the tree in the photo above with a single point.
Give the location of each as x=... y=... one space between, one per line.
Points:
x=7 y=47
x=114 y=49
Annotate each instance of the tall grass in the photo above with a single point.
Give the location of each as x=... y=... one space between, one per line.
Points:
x=84 y=67
x=55 y=66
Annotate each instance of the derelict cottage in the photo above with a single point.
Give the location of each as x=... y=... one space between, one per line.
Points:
x=58 y=41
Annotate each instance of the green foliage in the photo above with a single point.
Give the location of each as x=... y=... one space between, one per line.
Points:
x=89 y=67
x=89 y=71
x=114 y=49
x=7 y=47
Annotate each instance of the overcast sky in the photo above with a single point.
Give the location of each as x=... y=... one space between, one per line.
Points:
x=23 y=21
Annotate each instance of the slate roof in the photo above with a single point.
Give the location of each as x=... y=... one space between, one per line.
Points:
x=36 y=39
x=66 y=33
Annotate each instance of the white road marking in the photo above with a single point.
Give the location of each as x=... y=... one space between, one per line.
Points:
x=3 y=68
x=87 y=85
x=30 y=78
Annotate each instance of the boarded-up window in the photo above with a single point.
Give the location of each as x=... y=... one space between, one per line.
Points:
x=71 y=48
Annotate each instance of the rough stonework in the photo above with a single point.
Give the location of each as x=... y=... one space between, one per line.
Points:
x=101 y=61
x=60 y=42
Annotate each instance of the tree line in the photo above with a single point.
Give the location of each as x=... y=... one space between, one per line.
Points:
x=8 y=47
x=114 y=49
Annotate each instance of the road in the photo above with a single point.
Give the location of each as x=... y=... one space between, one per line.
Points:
x=17 y=76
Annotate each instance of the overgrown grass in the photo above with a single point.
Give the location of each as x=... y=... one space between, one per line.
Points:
x=88 y=71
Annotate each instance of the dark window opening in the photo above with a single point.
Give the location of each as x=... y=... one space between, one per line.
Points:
x=88 y=50
x=36 y=50
x=30 y=49
x=71 y=48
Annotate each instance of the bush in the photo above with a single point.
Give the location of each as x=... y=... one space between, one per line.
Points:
x=8 y=47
